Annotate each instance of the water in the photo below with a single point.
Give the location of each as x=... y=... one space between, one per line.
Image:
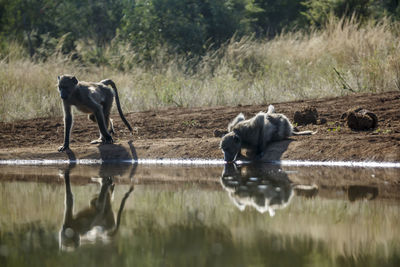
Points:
x=207 y=215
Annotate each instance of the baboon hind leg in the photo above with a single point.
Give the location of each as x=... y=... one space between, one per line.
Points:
x=111 y=129
x=109 y=123
x=106 y=109
x=92 y=117
x=99 y=113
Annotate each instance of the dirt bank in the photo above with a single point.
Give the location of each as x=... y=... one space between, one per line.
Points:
x=190 y=133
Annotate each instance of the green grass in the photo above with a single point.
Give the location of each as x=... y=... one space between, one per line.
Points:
x=343 y=58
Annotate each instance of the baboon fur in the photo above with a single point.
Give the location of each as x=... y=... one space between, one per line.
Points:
x=256 y=133
x=93 y=98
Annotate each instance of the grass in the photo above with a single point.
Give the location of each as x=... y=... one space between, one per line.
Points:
x=342 y=58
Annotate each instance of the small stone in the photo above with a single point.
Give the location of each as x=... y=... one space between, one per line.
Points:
x=360 y=119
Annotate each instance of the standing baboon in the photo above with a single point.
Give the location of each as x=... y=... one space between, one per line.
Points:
x=93 y=98
x=256 y=133
x=98 y=214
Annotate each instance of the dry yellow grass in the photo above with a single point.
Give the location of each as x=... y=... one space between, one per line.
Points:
x=342 y=58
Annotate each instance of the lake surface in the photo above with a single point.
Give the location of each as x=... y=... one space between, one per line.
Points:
x=214 y=215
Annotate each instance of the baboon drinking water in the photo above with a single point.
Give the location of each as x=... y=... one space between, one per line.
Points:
x=256 y=133
x=93 y=98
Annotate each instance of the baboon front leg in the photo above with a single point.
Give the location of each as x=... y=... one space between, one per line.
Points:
x=69 y=199
x=67 y=127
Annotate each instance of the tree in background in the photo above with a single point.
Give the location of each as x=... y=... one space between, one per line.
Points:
x=26 y=20
x=187 y=27
x=94 y=20
x=318 y=12
x=35 y=22
x=273 y=16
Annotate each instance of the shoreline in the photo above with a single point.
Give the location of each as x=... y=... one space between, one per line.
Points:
x=187 y=133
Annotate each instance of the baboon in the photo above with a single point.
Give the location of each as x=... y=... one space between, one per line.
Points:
x=93 y=98
x=263 y=187
x=256 y=133
x=97 y=216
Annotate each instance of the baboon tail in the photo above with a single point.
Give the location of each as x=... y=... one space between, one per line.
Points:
x=235 y=121
x=121 y=208
x=304 y=133
x=271 y=109
x=108 y=82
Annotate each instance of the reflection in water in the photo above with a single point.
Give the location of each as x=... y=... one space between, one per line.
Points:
x=360 y=192
x=264 y=187
x=95 y=222
x=181 y=216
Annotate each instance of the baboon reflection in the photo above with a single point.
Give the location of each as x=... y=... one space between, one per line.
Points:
x=263 y=187
x=97 y=221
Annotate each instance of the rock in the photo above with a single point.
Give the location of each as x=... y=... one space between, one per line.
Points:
x=306 y=116
x=360 y=119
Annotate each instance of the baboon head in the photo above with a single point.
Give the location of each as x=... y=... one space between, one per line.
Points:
x=66 y=85
x=230 y=145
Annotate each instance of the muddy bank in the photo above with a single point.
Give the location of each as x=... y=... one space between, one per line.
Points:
x=190 y=133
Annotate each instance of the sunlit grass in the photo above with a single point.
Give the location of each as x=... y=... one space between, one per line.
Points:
x=345 y=57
